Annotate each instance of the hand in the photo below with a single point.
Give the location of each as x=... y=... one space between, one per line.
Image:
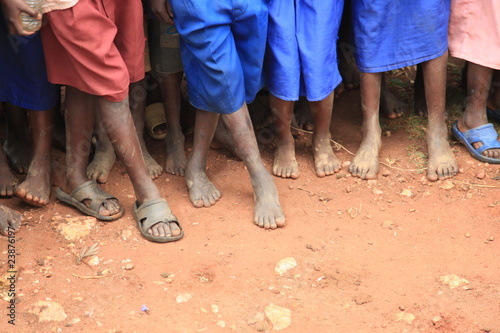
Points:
x=11 y=10
x=162 y=10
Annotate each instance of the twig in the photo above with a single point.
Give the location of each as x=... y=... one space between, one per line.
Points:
x=474 y=184
x=303 y=189
x=90 y=276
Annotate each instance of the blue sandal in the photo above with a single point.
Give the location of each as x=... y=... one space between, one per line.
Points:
x=493 y=115
x=485 y=134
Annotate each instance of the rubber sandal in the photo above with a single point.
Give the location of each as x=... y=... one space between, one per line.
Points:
x=485 y=134
x=89 y=191
x=153 y=212
x=493 y=115
x=154 y=117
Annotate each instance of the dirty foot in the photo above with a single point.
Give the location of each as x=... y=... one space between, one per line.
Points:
x=325 y=161
x=390 y=106
x=176 y=157
x=103 y=161
x=268 y=213
x=7 y=179
x=35 y=190
x=365 y=164
x=202 y=192
x=19 y=155
x=10 y=220
x=303 y=115
x=442 y=163
x=285 y=165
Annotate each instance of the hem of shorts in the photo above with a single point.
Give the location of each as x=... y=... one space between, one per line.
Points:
x=402 y=64
x=480 y=62
x=313 y=99
x=218 y=111
x=28 y=106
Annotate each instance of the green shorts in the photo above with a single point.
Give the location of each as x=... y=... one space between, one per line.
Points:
x=164 y=48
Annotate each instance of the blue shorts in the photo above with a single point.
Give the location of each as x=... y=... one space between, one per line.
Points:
x=222 y=49
x=23 y=75
x=395 y=34
x=301 y=55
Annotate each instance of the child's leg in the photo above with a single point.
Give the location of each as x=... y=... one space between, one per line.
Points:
x=390 y=106
x=202 y=192
x=325 y=161
x=17 y=146
x=137 y=98
x=170 y=85
x=494 y=100
x=79 y=118
x=441 y=163
x=478 y=84
x=104 y=155
x=35 y=189
x=268 y=212
x=365 y=163
x=285 y=165
x=119 y=124
x=7 y=179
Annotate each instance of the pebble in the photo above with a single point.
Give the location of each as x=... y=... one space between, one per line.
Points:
x=376 y=191
x=129 y=266
x=436 y=319
x=214 y=308
x=284 y=265
x=453 y=281
x=406 y=193
x=346 y=164
x=361 y=299
x=183 y=298
x=467 y=235
x=388 y=225
x=126 y=234
x=279 y=317
x=221 y=323
x=481 y=174
x=48 y=311
x=405 y=317
x=371 y=182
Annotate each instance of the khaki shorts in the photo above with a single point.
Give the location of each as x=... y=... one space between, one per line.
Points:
x=164 y=48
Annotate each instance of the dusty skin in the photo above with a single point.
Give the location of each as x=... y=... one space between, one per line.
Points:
x=367 y=256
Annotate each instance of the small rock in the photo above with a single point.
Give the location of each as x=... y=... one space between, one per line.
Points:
x=461 y=170
x=386 y=172
x=214 y=308
x=348 y=189
x=74 y=321
x=279 y=317
x=491 y=239
x=405 y=317
x=480 y=174
x=388 y=225
x=221 y=323
x=371 y=182
x=183 y=298
x=284 y=265
x=126 y=234
x=447 y=185
x=48 y=311
x=467 y=235
x=453 y=281
x=129 y=266
x=94 y=261
x=436 y=320
x=345 y=164
x=257 y=318
x=376 y=191
x=406 y=193
x=387 y=134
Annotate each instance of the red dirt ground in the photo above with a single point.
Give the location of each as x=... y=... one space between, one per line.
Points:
x=356 y=272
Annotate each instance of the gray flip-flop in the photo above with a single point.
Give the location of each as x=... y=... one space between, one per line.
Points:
x=153 y=212
x=89 y=191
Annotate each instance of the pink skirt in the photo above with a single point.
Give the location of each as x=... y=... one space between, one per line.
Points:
x=97 y=46
x=474 y=31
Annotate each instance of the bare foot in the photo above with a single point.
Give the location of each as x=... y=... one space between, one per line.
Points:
x=7 y=179
x=442 y=163
x=285 y=165
x=176 y=157
x=268 y=213
x=391 y=106
x=10 y=220
x=365 y=164
x=153 y=168
x=325 y=161
x=202 y=192
x=19 y=155
x=303 y=115
x=103 y=161
x=35 y=190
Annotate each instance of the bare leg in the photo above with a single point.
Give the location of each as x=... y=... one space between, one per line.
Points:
x=390 y=106
x=170 y=86
x=202 y=192
x=285 y=165
x=419 y=100
x=268 y=212
x=7 y=179
x=104 y=155
x=494 y=100
x=80 y=116
x=10 y=220
x=325 y=161
x=118 y=124
x=365 y=163
x=478 y=84
x=137 y=97
x=441 y=163
x=35 y=190
x=17 y=146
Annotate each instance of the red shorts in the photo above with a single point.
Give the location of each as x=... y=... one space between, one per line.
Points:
x=97 y=46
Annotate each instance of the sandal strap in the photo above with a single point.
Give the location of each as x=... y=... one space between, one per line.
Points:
x=153 y=212
x=485 y=134
x=91 y=191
